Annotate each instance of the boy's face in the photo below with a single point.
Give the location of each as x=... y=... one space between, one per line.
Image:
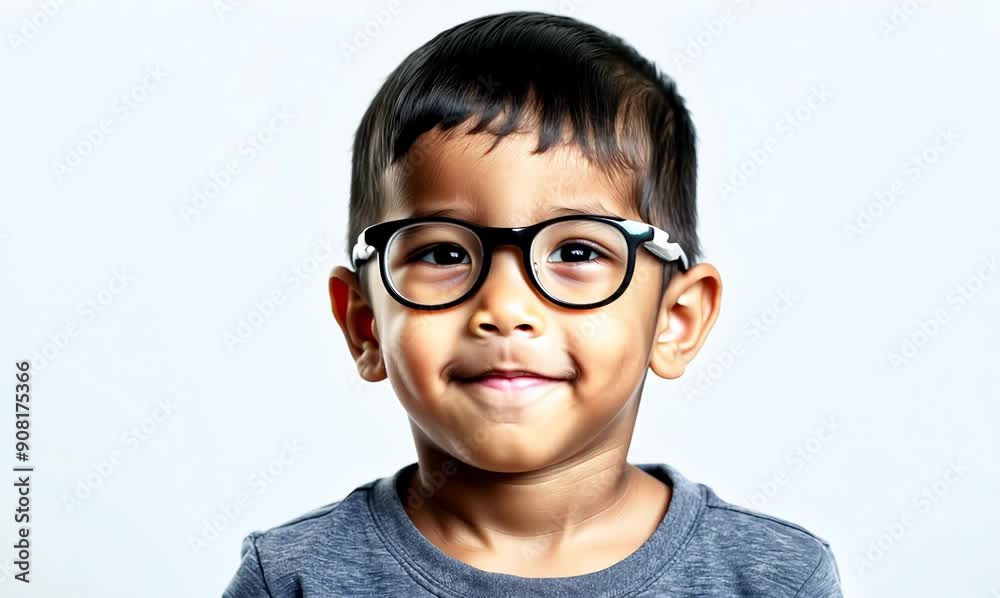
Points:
x=590 y=364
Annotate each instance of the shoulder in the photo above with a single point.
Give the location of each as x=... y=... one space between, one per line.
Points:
x=314 y=529
x=275 y=561
x=761 y=530
x=757 y=552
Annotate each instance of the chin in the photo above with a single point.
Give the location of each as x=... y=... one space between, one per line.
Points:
x=500 y=456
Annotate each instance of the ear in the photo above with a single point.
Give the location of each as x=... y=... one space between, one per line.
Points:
x=688 y=310
x=357 y=322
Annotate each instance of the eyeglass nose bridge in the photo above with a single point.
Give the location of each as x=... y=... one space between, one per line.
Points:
x=492 y=237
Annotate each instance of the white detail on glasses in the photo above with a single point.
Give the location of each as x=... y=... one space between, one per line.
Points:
x=362 y=250
x=667 y=250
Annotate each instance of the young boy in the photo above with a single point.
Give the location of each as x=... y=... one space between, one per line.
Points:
x=522 y=218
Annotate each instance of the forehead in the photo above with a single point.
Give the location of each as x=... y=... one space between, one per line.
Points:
x=456 y=174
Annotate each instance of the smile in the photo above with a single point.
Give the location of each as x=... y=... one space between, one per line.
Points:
x=509 y=391
x=512 y=382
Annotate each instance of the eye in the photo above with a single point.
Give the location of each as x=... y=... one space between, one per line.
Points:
x=442 y=254
x=575 y=252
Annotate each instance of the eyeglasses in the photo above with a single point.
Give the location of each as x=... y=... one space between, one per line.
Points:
x=575 y=261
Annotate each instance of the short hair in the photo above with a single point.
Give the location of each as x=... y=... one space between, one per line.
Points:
x=622 y=112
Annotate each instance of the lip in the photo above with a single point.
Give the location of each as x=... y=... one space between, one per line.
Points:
x=508 y=389
x=513 y=382
x=507 y=372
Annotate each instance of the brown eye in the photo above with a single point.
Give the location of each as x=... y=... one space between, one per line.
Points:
x=574 y=252
x=443 y=254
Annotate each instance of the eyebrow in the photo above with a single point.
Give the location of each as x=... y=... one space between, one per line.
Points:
x=465 y=212
x=589 y=208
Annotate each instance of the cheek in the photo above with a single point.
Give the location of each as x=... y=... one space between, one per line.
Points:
x=611 y=353
x=416 y=349
x=612 y=343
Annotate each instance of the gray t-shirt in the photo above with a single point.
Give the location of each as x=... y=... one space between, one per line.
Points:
x=366 y=545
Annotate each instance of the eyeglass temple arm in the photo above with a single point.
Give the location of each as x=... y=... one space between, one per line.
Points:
x=664 y=249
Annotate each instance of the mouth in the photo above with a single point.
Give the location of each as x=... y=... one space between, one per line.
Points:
x=510 y=388
x=509 y=378
x=509 y=381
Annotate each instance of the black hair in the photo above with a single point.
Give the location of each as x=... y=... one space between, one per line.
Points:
x=623 y=113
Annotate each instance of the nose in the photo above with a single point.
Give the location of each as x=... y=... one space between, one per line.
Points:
x=507 y=302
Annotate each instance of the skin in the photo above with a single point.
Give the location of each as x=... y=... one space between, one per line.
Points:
x=542 y=490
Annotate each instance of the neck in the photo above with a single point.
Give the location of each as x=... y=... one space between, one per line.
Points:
x=575 y=502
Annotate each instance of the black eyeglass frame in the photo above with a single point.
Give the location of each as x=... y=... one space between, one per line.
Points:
x=637 y=234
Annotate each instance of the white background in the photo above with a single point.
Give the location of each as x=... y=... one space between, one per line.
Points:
x=855 y=298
